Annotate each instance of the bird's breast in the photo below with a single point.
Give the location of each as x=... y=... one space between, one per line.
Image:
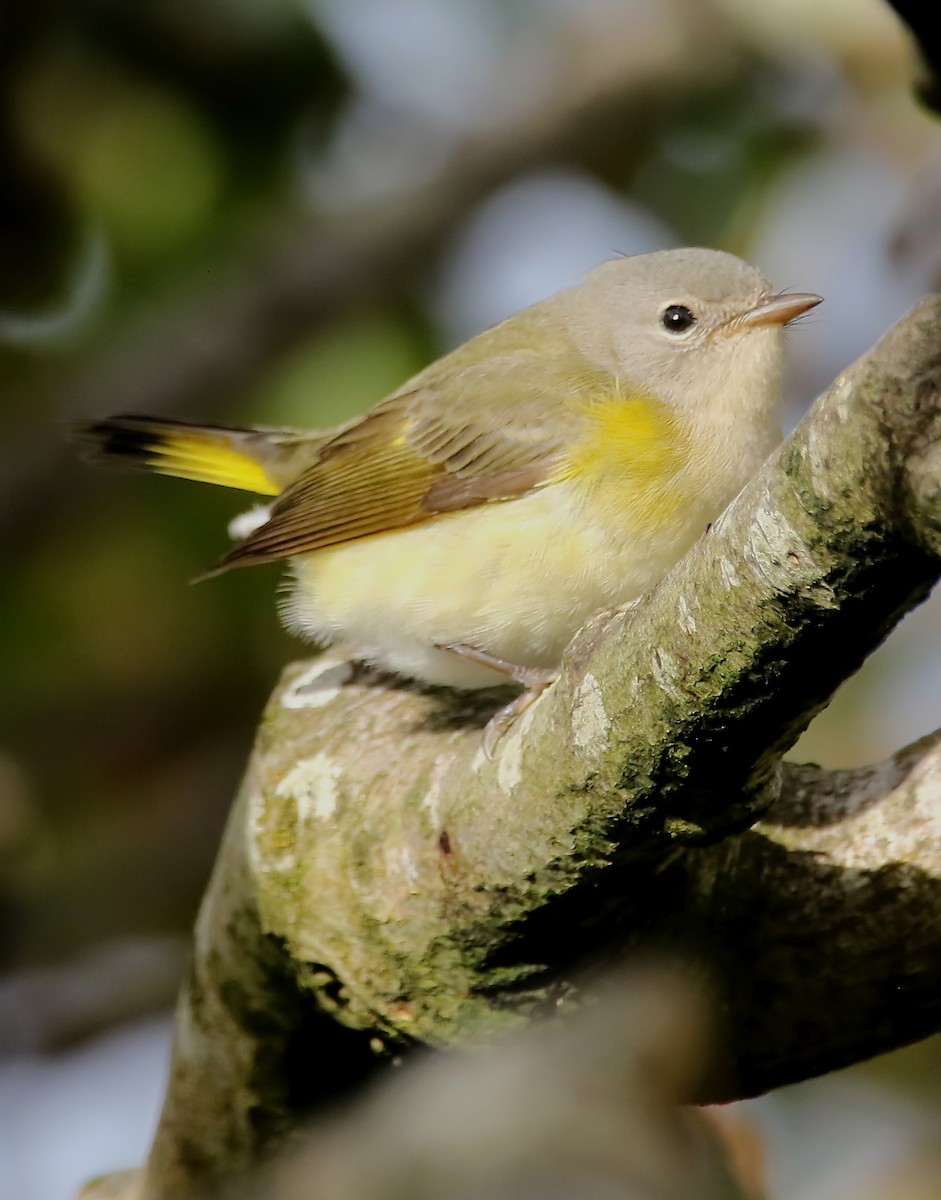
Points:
x=632 y=461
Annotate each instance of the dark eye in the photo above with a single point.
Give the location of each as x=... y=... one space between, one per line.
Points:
x=677 y=318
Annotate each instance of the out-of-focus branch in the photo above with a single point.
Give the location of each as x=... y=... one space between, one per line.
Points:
x=919 y=19
x=46 y=1008
x=587 y=1108
x=382 y=883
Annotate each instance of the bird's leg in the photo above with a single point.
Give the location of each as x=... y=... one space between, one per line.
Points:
x=534 y=679
x=527 y=676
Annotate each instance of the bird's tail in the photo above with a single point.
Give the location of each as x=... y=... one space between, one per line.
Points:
x=254 y=460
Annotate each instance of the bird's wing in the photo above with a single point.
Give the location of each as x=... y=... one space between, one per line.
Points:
x=473 y=428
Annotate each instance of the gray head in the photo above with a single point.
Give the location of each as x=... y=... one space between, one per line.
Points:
x=696 y=327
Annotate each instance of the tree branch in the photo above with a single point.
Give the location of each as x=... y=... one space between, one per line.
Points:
x=823 y=921
x=382 y=883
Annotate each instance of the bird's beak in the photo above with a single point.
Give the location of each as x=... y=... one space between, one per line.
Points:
x=778 y=309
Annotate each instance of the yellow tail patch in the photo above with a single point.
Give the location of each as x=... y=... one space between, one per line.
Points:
x=201 y=458
x=206 y=454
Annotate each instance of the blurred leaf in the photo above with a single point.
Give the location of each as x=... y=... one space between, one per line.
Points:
x=338 y=374
x=151 y=169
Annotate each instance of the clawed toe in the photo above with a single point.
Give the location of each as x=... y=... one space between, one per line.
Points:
x=504 y=717
x=534 y=679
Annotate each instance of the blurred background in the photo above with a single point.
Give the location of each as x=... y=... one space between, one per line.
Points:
x=274 y=211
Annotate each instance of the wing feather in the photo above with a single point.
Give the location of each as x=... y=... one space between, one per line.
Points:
x=480 y=425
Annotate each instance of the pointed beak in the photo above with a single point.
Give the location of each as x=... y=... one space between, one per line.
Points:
x=778 y=309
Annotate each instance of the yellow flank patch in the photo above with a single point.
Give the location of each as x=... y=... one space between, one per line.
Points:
x=632 y=455
x=206 y=460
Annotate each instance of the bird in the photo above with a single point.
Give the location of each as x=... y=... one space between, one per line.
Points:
x=557 y=464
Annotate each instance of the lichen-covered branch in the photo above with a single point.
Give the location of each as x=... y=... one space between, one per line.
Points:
x=395 y=886
x=823 y=921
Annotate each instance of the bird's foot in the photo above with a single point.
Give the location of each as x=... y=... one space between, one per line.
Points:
x=534 y=679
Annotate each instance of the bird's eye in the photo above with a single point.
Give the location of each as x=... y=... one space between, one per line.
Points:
x=677 y=318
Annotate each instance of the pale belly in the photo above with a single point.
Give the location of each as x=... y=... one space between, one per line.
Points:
x=514 y=579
